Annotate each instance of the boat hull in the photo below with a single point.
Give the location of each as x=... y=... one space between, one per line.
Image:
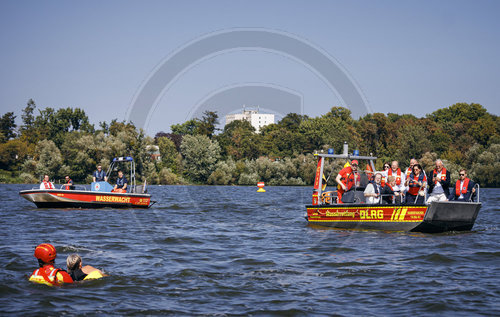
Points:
x=85 y=199
x=437 y=217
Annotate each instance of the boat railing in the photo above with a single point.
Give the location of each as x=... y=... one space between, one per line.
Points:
x=475 y=194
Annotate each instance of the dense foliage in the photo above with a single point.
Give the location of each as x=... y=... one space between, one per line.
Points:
x=60 y=142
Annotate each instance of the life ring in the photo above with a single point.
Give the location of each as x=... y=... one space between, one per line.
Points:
x=326 y=197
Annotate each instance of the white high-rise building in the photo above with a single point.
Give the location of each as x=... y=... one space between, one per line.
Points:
x=256 y=119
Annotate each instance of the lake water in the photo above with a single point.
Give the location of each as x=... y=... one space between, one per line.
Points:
x=222 y=250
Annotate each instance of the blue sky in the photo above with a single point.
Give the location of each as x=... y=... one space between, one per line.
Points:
x=404 y=56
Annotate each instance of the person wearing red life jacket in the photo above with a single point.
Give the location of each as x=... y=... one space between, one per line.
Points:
x=399 y=176
x=348 y=178
x=387 y=167
x=69 y=183
x=416 y=185
x=47 y=274
x=409 y=170
x=439 y=184
x=46 y=183
x=389 y=193
x=464 y=188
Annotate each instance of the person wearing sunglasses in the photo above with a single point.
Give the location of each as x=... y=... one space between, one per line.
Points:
x=387 y=167
x=440 y=183
x=464 y=188
x=416 y=186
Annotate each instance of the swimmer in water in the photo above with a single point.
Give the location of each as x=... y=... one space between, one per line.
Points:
x=79 y=273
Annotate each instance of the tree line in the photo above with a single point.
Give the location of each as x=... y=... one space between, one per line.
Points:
x=64 y=142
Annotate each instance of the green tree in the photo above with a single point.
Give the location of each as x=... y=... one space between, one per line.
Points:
x=49 y=160
x=200 y=156
x=12 y=154
x=239 y=140
x=208 y=123
x=190 y=127
x=7 y=127
x=168 y=153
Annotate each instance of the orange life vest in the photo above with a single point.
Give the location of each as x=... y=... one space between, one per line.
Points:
x=443 y=174
x=408 y=172
x=50 y=276
x=414 y=187
x=350 y=179
x=48 y=185
x=464 y=187
x=398 y=175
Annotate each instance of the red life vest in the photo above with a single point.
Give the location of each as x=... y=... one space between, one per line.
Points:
x=349 y=177
x=414 y=187
x=443 y=174
x=398 y=175
x=48 y=185
x=48 y=275
x=464 y=187
x=68 y=184
x=408 y=172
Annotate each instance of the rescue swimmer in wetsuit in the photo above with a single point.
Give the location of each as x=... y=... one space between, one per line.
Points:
x=121 y=183
x=47 y=274
x=79 y=273
x=347 y=178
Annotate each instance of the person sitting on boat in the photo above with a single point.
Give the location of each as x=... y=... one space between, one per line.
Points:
x=440 y=183
x=416 y=185
x=390 y=194
x=409 y=170
x=347 y=178
x=79 y=273
x=121 y=183
x=464 y=187
x=99 y=175
x=373 y=190
x=399 y=184
x=69 y=183
x=47 y=274
x=46 y=183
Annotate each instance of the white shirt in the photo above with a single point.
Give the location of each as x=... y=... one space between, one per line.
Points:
x=438 y=189
x=371 y=190
x=397 y=187
x=49 y=185
x=461 y=185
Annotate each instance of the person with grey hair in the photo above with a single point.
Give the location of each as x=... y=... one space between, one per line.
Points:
x=373 y=190
x=79 y=273
x=439 y=184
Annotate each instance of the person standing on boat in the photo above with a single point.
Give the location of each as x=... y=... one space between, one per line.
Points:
x=464 y=188
x=347 y=178
x=69 y=183
x=121 y=183
x=416 y=185
x=373 y=190
x=46 y=183
x=99 y=175
x=440 y=183
x=47 y=274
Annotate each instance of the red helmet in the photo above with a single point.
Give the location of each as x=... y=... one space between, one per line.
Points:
x=45 y=252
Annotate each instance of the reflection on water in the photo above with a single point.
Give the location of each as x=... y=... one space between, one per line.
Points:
x=229 y=250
